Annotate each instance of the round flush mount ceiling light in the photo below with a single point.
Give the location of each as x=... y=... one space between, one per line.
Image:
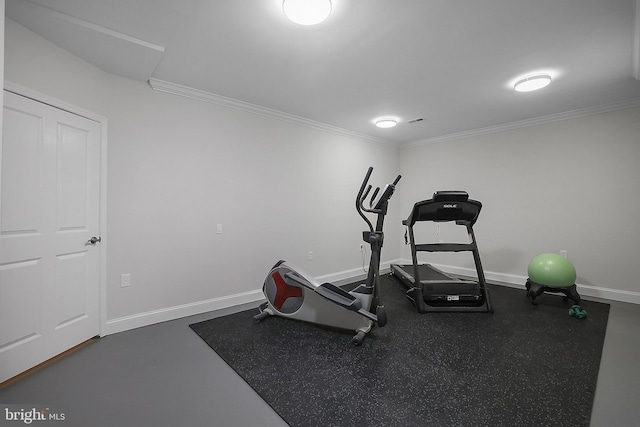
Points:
x=307 y=12
x=534 y=82
x=386 y=123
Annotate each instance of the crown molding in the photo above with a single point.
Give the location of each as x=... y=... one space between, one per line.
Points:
x=211 y=98
x=631 y=103
x=107 y=49
x=203 y=96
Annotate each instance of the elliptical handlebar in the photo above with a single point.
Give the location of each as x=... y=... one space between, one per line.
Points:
x=364 y=190
x=373 y=197
x=362 y=194
x=379 y=207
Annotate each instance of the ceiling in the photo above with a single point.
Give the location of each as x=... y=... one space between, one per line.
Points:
x=453 y=64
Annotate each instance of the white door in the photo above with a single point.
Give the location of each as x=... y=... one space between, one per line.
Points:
x=49 y=211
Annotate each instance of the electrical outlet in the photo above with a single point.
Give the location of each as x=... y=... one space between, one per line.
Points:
x=219 y=229
x=125 y=280
x=310 y=255
x=564 y=253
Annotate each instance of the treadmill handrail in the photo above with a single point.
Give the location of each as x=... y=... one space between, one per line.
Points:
x=445 y=247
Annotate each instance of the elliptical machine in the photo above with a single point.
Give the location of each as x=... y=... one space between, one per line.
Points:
x=292 y=293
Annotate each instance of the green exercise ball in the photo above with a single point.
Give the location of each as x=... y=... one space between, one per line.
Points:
x=552 y=270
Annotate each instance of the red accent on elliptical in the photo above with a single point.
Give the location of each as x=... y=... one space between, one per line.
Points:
x=284 y=291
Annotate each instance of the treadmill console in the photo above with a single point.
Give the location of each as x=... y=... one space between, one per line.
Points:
x=450 y=196
x=445 y=206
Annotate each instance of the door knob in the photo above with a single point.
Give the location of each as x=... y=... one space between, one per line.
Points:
x=94 y=240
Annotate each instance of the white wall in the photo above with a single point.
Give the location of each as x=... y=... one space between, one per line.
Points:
x=570 y=185
x=177 y=167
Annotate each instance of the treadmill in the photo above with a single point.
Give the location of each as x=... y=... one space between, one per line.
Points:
x=430 y=289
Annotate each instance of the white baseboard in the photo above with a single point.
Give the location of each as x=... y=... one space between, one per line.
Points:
x=148 y=318
x=518 y=281
x=340 y=278
x=348 y=276
x=126 y=323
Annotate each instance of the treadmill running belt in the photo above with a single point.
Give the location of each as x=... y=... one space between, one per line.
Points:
x=427 y=272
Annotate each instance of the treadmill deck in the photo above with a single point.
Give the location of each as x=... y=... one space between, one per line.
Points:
x=439 y=286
